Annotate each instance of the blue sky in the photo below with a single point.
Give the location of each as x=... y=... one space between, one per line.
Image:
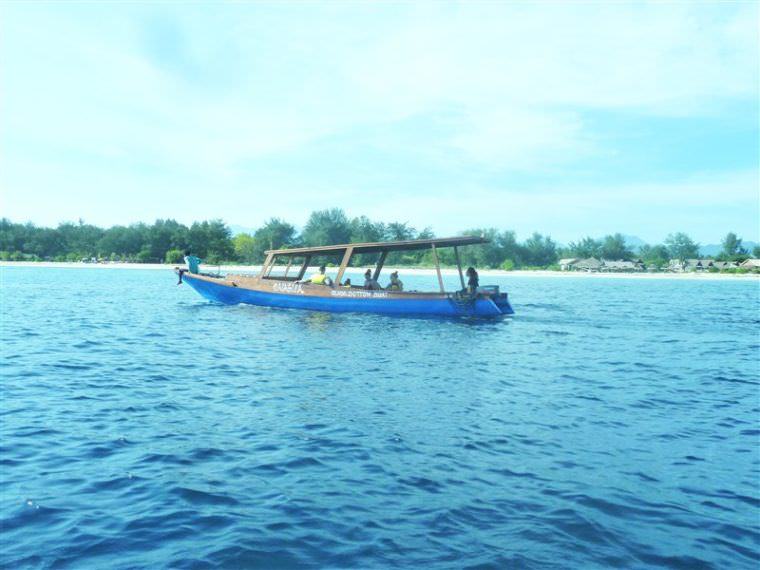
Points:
x=571 y=119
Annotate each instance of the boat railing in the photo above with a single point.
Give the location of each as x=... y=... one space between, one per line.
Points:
x=489 y=289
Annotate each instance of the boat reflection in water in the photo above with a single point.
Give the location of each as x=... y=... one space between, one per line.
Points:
x=286 y=288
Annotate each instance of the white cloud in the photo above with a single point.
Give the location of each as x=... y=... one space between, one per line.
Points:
x=655 y=57
x=519 y=65
x=521 y=139
x=513 y=71
x=86 y=102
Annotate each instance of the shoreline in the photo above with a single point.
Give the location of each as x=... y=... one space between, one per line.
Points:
x=411 y=271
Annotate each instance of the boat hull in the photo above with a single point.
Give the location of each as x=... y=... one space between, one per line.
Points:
x=345 y=300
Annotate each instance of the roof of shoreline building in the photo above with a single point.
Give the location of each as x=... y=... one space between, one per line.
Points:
x=590 y=262
x=702 y=262
x=619 y=264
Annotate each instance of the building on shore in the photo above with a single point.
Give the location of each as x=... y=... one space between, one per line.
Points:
x=567 y=263
x=689 y=265
x=593 y=265
x=622 y=266
x=590 y=265
x=700 y=265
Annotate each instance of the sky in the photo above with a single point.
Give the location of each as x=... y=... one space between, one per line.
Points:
x=571 y=119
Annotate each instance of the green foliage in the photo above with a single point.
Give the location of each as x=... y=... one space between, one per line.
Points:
x=503 y=245
x=211 y=240
x=680 y=246
x=274 y=234
x=137 y=242
x=401 y=231
x=364 y=230
x=166 y=241
x=732 y=247
x=174 y=256
x=654 y=255
x=127 y=241
x=756 y=251
x=165 y=235
x=612 y=247
x=615 y=248
x=587 y=247
x=80 y=238
x=539 y=250
x=143 y=256
x=327 y=227
x=245 y=248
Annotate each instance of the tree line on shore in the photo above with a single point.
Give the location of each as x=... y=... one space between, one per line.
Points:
x=212 y=240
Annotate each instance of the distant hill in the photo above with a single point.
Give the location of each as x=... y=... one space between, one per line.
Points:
x=708 y=250
x=634 y=242
x=713 y=249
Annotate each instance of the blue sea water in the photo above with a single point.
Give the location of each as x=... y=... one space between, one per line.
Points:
x=610 y=423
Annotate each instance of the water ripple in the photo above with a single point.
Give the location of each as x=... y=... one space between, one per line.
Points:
x=609 y=424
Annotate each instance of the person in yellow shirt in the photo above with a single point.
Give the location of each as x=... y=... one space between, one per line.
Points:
x=320 y=278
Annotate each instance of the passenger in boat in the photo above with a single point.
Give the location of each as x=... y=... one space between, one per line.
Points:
x=193 y=262
x=473 y=281
x=369 y=282
x=347 y=282
x=320 y=278
x=395 y=284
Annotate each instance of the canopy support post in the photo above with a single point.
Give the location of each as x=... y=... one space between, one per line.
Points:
x=287 y=267
x=343 y=265
x=459 y=266
x=264 y=267
x=438 y=268
x=380 y=263
x=304 y=267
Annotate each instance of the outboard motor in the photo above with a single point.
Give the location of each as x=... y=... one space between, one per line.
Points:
x=501 y=300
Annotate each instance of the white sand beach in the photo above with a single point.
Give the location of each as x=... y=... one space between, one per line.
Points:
x=417 y=271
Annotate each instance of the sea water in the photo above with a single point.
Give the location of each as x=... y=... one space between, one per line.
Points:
x=609 y=423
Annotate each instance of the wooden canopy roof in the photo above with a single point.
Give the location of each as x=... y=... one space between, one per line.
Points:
x=406 y=245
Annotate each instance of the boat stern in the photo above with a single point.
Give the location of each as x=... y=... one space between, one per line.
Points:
x=501 y=300
x=503 y=304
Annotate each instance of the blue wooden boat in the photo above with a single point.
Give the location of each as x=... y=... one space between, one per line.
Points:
x=286 y=288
